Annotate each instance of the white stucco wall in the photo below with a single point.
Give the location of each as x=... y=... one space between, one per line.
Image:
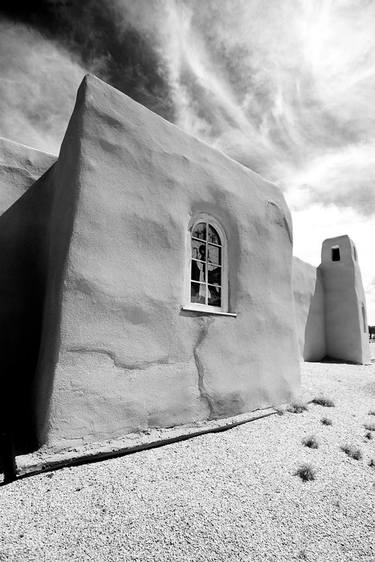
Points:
x=126 y=357
x=309 y=310
x=20 y=167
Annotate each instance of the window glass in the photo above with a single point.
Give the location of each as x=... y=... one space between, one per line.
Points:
x=214 y=254
x=214 y=274
x=213 y=236
x=198 y=250
x=200 y=231
x=214 y=295
x=206 y=277
x=198 y=271
x=198 y=293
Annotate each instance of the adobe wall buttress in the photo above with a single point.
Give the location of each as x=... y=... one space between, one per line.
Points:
x=309 y=310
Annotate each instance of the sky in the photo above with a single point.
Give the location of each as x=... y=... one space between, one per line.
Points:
x=285 y=87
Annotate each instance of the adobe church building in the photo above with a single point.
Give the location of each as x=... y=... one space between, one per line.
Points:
x=146 y=282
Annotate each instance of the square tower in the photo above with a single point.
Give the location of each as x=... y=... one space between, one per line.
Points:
x=345 y=304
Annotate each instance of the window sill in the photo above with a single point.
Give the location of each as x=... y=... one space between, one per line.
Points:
x=207 y=310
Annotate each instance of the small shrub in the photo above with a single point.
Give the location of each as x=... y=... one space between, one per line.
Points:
x=369 y=426
x=371 y=463
x=352 y=452
x=371 y=413
x=323 y=401
x=279 y=411
x=326 y=421
x=297 y=407
x=310 y=442
x=368 y=435
x=306 y=472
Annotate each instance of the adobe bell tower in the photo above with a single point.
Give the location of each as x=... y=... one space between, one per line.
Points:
x=345 y=305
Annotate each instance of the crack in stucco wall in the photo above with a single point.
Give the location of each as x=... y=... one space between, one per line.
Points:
x=205 y=324
x=140 y=365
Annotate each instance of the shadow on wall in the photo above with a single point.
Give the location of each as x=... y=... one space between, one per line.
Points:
x=315 y=337
x=23 y=250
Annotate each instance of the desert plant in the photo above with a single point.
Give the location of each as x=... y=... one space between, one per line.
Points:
x=368 y=435
x=306 y=472
x=371 y=413
x=369 y=426
x=371 y=463
x=310 y=442
x=297 y=407
x=279 y=411
x=326 y=421
x=352 y=452
x=323 y=401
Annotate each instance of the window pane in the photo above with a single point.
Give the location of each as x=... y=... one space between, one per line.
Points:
x=198 y=293
x=214 y=254
x=198 y=271
x=214 y=295
x=198 y=250
x=214 y=274
x=200 y=231
x=213 y=235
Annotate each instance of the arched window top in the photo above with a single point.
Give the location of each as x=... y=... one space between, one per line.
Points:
x=205 y=231
x=208 y=269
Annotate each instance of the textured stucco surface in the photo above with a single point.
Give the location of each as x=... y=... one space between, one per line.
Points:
x=346 y=335
x=20 y=167
x=309 y=309
x=125 y=356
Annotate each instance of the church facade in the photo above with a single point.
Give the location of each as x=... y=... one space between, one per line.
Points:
x=147 y=282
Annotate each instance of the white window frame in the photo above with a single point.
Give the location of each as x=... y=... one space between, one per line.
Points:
x=198 y=307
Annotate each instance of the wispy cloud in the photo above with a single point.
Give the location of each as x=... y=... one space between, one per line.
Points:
x=37 y=87
x=285 y=87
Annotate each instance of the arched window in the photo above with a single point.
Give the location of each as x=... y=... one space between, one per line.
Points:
x=208 y=282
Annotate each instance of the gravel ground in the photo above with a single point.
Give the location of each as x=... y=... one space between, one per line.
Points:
x=231 y=496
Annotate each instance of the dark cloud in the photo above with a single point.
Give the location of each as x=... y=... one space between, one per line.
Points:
x=100 y=34
x=283 y=87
